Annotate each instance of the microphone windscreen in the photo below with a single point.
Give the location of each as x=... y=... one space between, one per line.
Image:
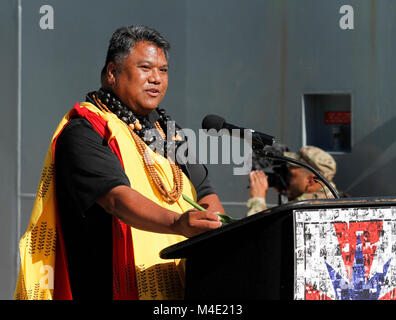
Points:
x=213 y=121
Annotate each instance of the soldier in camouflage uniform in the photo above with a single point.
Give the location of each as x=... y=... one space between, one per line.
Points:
x=302 y=184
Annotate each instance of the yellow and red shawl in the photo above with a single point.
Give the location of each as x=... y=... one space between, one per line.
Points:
x=138 y=271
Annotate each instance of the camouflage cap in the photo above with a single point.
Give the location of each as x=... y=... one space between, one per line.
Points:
x=317 y=158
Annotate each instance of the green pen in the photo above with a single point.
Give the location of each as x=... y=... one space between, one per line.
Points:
x=224 y=218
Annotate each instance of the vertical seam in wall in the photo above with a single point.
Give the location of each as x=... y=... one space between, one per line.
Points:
x=303 y=122
x=19 y=132
x=186 y=72
x=283 y=71
x=373 y=66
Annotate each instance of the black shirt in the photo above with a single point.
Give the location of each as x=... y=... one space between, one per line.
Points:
x=86 y=169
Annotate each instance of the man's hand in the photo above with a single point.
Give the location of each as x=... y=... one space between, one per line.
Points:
x=258 y=184
x=192 y=222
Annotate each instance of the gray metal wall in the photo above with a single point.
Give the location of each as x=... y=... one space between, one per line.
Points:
x=250 y=61
x=9 y=146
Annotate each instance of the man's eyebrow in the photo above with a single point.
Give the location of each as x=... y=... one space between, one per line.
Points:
x=149 y=62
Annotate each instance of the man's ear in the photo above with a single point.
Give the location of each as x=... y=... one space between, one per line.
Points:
x=111 y=71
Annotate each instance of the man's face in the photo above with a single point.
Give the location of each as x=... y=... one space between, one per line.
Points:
x=142 y=81
x=298 y=182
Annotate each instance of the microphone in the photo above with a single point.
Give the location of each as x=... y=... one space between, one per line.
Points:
x=259 y=139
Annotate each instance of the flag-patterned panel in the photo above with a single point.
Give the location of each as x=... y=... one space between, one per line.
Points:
x=345 y=254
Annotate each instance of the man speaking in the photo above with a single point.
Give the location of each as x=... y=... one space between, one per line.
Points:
x=107 y=203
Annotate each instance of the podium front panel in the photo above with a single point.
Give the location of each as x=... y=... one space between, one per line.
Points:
x=324 y=249
x=345 y=254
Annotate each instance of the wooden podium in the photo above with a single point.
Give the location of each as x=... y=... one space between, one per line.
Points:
x=317 y=249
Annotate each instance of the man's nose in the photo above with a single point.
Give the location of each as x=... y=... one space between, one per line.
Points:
x=155 y=76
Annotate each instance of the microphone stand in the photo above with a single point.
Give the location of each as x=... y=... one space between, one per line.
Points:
x=268 y=154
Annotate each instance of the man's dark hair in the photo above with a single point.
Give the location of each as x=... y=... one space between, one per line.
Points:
x=125 y=38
